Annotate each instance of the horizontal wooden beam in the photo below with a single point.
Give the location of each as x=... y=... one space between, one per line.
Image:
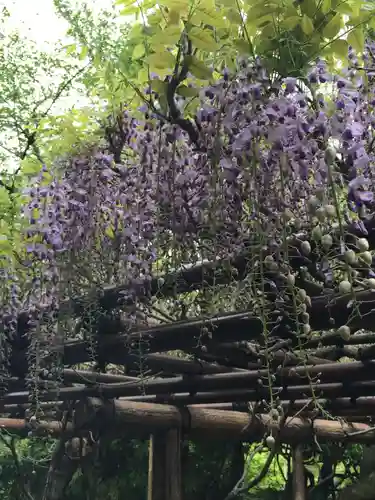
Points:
x=117 y=415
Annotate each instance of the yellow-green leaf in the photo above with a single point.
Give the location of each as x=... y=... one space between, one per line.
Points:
x=212 y=18
x=290 y=22
x=234 y=16
x=242 y=45
x=339 y=48
x=168 y=36
x=198 y=68
x=356 y=39
x=307 y=25
x=173 y=17
x=158 y=86
x=202 y=39
x=128 y=11
x=161 y=60
x=333 y=27
x=326 y=6
x=308 y=7
x=187 y=91
x=345 y=8
x=70 y=49
x=139 y=51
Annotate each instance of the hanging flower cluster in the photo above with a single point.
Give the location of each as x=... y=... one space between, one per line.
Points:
x=274 y=160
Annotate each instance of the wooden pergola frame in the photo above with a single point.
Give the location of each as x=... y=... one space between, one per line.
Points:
x=220 y=391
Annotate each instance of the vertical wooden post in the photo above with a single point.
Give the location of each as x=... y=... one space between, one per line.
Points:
x=164 y=469
x=299 y=480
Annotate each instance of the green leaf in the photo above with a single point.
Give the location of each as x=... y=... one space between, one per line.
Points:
x=345 y=8
x=168 y=36
x=198 y=68
x=158 y=86
x=308 y=7
x=128 y=11
x=356 y=39
x=187 y=91
x=290 y=22
x=139 y=51
x=307 y=25
x=70 y=49
x=202 y=39
x=234 y=16
x=340 y=48
x=325 y=6
x=83 y=53
x=333 y=27
x=212 y=18
x=161 y=60
x=242 y=45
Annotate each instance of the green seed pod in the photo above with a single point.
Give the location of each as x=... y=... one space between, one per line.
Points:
x=345 y=287
x=306 y=329
x=327 y=241
x=344 y=332
x=362 y=244
x=316 y=233
x=371 y=283
x=306 y=248
x=366 y=257
x=330 y=211
x=305 y=317
x=270 y=442
x=321 y=214
x=350 y=257
x=302 y=294
x=330 y=155
x=313 y=204
x=291 y=279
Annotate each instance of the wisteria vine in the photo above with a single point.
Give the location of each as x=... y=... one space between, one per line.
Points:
x=279 y=166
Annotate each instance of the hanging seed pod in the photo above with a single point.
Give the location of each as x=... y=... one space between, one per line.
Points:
x=274 y=414
x=291 y=279
x=313 y=204
x=306 y=248
x=330 y=211
x=306 y=329
x=321 y=214
x=308 y=301
x=316 y=233
x=302 y=294
x=362 y=244
x=350 y=257
x=287 y=215
x=344 y=332
x=270 y=263
x=305 y=317
x=330 y=155
x=366 y=258
x=270 y=442
x=327 y=241
x=371 y=283
x=345 y=287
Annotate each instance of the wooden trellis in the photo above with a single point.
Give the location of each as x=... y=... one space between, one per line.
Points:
x=219 y=392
